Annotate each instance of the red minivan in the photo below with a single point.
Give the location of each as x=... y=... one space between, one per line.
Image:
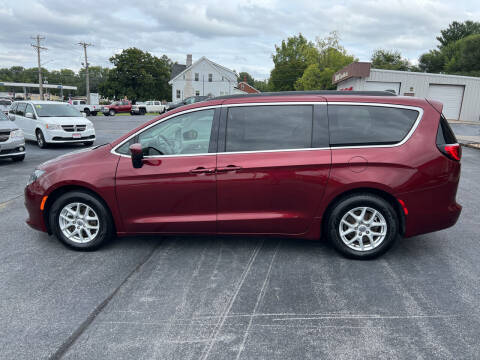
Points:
x=358 y=168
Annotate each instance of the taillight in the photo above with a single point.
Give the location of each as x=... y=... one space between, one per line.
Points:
x=452 y=151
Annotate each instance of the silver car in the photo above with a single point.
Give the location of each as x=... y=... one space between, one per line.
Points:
x=12 y=142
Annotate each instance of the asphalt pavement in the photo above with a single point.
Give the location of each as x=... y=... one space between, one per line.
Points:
x=234 y=297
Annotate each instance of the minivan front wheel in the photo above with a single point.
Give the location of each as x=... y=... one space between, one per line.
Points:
x=42 y=144
x=363 y=226
x=80 y=221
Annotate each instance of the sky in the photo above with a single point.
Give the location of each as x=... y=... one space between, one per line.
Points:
x=240 y=35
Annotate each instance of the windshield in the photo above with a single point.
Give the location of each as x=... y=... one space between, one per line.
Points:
x=3 y=117
x=53 y=110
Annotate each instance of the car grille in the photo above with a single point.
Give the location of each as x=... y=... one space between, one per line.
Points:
x=4 y=135
x=74 y=128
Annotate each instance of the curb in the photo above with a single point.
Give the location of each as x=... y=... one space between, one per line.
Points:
x=472 y=145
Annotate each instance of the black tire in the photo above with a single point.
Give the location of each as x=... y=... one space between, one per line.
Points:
x=87 y=111
x=18 y=158
x=88 y=143
x=111 y=112
x=42 y=144
x=351 y=202
x=105 y=223
x=143 y=111
x=93 y=113
x=132 y=113
x=105 y=114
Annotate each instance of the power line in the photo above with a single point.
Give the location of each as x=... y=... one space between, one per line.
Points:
x=39 y=48
x=85 y=45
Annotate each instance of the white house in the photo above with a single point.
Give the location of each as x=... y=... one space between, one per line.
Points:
x=202 y=78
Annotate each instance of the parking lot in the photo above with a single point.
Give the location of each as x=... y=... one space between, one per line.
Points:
x=234 y=298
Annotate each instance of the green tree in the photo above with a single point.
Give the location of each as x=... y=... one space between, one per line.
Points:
x=245 y=75
x=457 y=31
x=463 y=56
x=432 y=62
x=390 y=60
x=138 y=75
x=262 y=85
x=329 y=57
x=290 y=60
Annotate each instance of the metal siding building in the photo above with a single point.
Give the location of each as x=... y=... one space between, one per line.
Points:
x=459 y=94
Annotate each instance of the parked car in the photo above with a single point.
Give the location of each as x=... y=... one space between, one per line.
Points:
x=370 y=169
x=152 y=106
x=12 y=142
x=5 y=105
x=48 y=122
x=187 y=101
x=82 y=106
x=123 y=106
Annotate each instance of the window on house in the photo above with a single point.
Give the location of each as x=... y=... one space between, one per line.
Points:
x=197 y=93
x=210 y=77
x=197 y=76
x=178 y=94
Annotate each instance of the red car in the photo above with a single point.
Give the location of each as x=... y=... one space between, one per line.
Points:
x=122 y=106
x=360 y=169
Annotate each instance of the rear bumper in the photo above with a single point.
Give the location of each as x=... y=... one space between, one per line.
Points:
x=33 y=199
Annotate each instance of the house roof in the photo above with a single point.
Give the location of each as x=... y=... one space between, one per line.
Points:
x=249 y=89
x=220 y=67
x=177 y=69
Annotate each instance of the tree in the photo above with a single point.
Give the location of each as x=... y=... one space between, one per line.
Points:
x=290 y=61
x=138 y=75
x=244 y=75
x=432 y=62
x=457 y=31
x=462 y=56
x=329 y=57
x=262 y=85
x=390 y=60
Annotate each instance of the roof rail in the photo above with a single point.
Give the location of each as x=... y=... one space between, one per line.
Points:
x=315 y=92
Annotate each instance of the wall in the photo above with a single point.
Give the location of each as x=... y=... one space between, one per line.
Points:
x=420 y=83
x=188 y=86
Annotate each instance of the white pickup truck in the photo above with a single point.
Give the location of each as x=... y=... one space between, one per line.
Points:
x=152 y=106
x=81 y=105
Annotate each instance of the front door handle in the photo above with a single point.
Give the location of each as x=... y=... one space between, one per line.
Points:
x=228 y=168
x=202 y=170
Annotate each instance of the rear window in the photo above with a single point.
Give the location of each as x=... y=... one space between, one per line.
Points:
x=369 y=125
x=253 y=128
x=445 y=133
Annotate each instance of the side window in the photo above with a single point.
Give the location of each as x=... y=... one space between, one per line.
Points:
x=157 y=102
x=181 y=135
x=369 y=125
x=21 y=109
x=13 y=108
x=82 y=102
x=277 y=127
x=29 y=109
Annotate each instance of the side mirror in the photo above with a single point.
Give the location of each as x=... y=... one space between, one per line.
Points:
x=137 y=155
x=29 y=115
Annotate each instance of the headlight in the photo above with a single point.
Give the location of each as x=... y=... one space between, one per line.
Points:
x=35 y=175
x=16 y=134
x=53 y=127
x=89 y=126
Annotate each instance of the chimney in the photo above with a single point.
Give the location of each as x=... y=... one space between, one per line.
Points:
x=189 y=60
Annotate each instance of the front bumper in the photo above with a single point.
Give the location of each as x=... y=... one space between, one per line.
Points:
x=61 y=136
x=33 y=200
x=12 y=147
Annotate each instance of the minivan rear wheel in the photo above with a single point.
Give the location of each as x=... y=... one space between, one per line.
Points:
x=362 y=226
x=80 y=221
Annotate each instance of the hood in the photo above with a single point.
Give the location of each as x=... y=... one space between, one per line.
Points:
x=7 y=125
x=76 y=156
x=69 y=120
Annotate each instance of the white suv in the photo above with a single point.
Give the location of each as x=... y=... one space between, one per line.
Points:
x=52 y=122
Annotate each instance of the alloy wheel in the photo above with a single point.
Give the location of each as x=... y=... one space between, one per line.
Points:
x=79 y=222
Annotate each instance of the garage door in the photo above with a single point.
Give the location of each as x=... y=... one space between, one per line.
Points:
x=383 y=86
x=451 y=96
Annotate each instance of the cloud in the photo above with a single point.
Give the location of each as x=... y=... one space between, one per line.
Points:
x=239 y=34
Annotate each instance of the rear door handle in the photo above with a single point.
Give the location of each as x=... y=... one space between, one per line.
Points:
x=228 y=168
x=202 y=170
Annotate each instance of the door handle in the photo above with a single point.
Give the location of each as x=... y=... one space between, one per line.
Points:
x=228 y=168
x=202 y=170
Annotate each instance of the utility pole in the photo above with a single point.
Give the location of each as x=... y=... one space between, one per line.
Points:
x=85 y=45
x=39 y=48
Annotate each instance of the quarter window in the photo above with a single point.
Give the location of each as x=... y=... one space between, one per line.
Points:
x=369 y=125
x=277 y=127
x=29 y=109
x=184 y=134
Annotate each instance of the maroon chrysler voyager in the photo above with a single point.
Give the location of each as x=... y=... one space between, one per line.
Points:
x=358 y=168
